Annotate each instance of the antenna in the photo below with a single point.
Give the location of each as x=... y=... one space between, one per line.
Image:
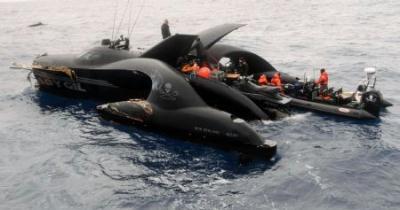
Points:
x=115 y=17
x=136 y=19
x=123 y=16
x=130 y=17
x=314 y=74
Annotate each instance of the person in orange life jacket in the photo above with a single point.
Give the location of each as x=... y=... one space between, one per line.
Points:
x=262 y=80
x=322 y=81
x=204 y=70
x=276 y=81
x=190 y=67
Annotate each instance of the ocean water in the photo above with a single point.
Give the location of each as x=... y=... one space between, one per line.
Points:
x=56 y=153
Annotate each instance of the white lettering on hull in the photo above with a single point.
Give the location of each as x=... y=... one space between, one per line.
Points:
x=76 y=86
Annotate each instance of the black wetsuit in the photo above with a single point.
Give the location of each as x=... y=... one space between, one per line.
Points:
x=165 y=30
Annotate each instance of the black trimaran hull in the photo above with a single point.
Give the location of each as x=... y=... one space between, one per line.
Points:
x=176 y=107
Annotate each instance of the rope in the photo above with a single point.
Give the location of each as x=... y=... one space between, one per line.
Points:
x=123 y=17
x=137 y=17
x=115 y=17
x=130 y=18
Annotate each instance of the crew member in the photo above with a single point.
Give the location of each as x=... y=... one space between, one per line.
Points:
x=190 y=67
x=262 y=80
x=118 y=41
x=126 y=44
x=243 y=66
x=276 y=81
x=322 y=81
x=204 y=70
x=165 y=29
x=121 y=43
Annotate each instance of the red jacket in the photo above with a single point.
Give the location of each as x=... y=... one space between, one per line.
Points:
x=187 y=68
x=262 y=80
x=204 y=72
x=323 y=79
x=276 y=81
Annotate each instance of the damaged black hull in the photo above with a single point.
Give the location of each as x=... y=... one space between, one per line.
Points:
x=198 y=124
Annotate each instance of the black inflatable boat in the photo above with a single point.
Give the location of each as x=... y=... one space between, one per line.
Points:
x=365 y=103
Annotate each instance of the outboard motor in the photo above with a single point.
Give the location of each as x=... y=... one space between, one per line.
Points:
x=371 y=102
x=371 y=78
x=371 y=99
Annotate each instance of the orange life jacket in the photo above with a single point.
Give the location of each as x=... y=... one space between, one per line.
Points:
x=323 y=79
x=276 y=81
x=204 y=72
x=328 y=97
x=187 y=68
x=263 y=80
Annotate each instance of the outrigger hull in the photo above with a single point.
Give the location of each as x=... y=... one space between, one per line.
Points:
x=197 y=124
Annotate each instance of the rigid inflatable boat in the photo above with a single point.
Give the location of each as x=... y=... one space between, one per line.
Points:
x=364 y=103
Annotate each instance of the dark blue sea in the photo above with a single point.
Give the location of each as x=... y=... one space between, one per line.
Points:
x=57 y=153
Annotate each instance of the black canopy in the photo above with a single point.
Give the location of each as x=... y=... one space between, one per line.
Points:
x=170 y=49
x=255 y=62
x=212 y=35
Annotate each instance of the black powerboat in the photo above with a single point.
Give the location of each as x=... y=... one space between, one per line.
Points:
x=145 y=89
